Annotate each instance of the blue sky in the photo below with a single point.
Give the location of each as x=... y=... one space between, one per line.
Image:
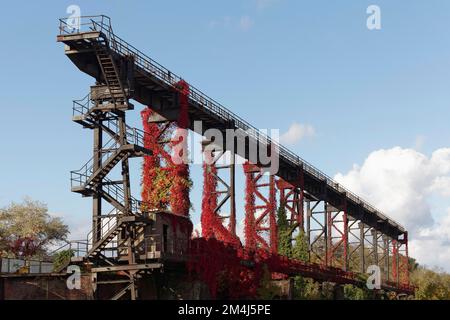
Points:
x=273 y=62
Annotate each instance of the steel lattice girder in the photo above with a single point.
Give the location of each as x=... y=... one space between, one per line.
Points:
x=261 y=210
x=220 y=226
x=355 y=257
x=292 y=199
x=337 y=228
x=316 y=230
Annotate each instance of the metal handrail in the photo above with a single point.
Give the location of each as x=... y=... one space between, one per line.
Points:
x=85 y=106
x=87 y=169
x=167 y=77
x=78 y=247
x=107 y=224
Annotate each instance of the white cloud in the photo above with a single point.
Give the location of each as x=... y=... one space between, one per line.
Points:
x=400 y=182
x=432 y=245
x=296 y=133
x=264 y=4
x=441 y=185
x=246 y=23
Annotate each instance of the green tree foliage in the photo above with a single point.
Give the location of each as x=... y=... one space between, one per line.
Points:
x=27 y=229
x=284 y=234
x=431 y=284
x=327 y=291
x=306 y=289
x=300 y=249
x=62 y=259
x=352 y=292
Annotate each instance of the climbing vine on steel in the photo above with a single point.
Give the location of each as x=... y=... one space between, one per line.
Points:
x=165 y=175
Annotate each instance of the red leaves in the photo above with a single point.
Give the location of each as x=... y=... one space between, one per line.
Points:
x=212 y=224
x=183 y=120
x=24 y=247
x=181 y=185
x=250 y=223
x=154 y=178
x=168 y=185
x=209 y=201
x=221 y=266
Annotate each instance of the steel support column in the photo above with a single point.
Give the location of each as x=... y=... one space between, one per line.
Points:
x=362 y=247
x=337 y=228
x=355 y=264
x=395 y=262
x=386 y=257
x=292 y=200
x=404 y=260
x=260 y=218
x=316 y=223
x=97 y=199
x=374 y=249
x=218 y=191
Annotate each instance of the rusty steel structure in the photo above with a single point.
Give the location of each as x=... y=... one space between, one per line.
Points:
x=345 y=234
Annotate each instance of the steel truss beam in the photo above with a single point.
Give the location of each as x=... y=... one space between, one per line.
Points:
x=316 y=231
x=337 y=228
x=260 y=216
x=382 y=243
x=395 y=262
x=292 y=197
x=356 y=257
x=221 y=178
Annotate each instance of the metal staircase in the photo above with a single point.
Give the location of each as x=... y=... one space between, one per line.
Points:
x=110 y=72
x=110 y=230
x=111 y=243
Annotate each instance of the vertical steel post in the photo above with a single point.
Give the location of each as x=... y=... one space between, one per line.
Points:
x=386 y=256
x=406 y=263
x=375 y=246
x=272 y=215
x=232 y=225
x=308 y=227
x=345 y=238
x=325 y=232
x=97 y=198
x=395 y=261
x=362 y=256
x=329 y=237
x=125 y=165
